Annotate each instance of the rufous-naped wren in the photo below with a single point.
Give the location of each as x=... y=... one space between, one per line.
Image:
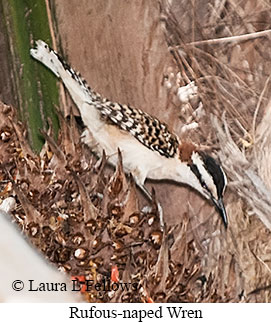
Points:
x=149 y=149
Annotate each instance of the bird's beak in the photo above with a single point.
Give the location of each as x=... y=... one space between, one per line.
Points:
x=222 y=211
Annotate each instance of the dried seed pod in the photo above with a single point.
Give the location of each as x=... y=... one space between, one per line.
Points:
x=67 y=267
x=74 y=196
x=115 y=210
x=82 y=263
x=59 y=238
x=78 y=239
x=122 y=230
x=156 y=238
x=5 y=136
x=34 y=229
x=81 y=253
x=62 y=254
x=151 y=219
x=134 y=219
x=114 y=257
x=118 y=245
x=98 y=262
x=6 y=109
x=34 y=194
x=92 y=226
x=96 y=243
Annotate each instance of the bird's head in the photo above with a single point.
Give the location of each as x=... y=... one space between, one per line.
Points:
x=212 y=180
x=206 y=176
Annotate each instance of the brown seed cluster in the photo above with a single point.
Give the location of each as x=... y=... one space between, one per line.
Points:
x=87 y=220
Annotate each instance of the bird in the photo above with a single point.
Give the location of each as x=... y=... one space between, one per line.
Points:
x=149 y=149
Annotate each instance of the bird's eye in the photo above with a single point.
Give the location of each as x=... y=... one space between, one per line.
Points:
x=204 y=186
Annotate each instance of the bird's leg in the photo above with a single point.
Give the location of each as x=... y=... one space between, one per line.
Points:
x=150 y=198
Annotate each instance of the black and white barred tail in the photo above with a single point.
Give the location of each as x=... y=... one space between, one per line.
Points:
x=61 y=69
x=147 y=129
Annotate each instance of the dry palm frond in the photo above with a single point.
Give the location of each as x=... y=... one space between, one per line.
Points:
x=248 y=174
x=223 y=47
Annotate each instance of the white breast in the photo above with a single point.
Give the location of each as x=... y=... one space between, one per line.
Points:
x=139 y=160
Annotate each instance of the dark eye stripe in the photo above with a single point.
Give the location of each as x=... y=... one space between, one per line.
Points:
x=215 y=171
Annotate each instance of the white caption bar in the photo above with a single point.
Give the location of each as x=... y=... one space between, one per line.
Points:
x=26 y=312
